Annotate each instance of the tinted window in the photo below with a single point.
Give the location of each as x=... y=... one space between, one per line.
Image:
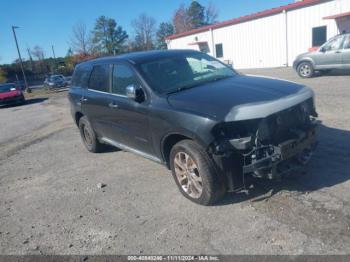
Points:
x=123 y=76
x=347 y=42
x=81 y=75
x=99 y=79
x=219 y=51
x=319 y=35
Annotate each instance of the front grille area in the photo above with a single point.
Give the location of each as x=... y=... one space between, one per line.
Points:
x=286 y=124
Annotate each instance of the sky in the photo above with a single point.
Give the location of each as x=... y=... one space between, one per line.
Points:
x=49 y=22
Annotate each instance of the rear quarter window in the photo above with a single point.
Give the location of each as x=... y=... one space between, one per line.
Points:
x=81 y=75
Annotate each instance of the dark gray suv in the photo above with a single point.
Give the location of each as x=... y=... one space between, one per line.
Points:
x=334 y=54
x=210 y=125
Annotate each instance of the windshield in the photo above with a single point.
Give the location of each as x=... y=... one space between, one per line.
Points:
x=172 y=74
x=56 y=78
x=7 y=88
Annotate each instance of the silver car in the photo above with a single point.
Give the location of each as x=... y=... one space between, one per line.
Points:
x=55 y=81
x=334 y=54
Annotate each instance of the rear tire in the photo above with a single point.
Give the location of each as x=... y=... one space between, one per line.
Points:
x=89 y=137
x=195 y=174
x=305 y=70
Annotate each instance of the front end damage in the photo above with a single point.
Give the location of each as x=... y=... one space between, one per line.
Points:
x=267 y=147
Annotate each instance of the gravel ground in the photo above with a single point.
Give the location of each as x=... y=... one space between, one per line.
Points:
x=50 y=202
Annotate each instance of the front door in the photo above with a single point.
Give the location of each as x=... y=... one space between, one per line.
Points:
x=346 y=52
x=330 y=54
x=128 y=119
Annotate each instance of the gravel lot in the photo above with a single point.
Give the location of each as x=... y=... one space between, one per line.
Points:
x=50 y=202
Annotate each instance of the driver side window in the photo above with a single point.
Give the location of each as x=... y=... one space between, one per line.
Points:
x=123 y=76
x=333 y=44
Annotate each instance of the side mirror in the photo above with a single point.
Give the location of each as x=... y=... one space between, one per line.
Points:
x=323 y=50
x=135 y=93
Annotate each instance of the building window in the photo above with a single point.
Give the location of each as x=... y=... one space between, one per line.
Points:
x=219 y=51
x=203 y=47
x=319 y=35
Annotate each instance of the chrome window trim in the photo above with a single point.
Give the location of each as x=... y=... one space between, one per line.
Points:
x=107 y=93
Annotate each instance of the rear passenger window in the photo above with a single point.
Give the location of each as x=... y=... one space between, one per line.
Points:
x=99 y=79
x=123 y=76
x=81 y=75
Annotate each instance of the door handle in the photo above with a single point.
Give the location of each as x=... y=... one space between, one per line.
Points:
x=338 y=52
x=112 y=105
x=83 y=99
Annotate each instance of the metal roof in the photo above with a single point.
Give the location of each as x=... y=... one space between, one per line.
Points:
x=337 y=16
x=276 y=10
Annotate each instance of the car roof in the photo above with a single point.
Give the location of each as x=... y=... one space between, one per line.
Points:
x=141 y=57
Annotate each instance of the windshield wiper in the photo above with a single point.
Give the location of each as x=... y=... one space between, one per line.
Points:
x=181 y=88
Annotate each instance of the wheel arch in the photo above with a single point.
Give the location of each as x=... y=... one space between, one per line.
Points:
x=173 y=138
x=77 y=117
x=306 y=59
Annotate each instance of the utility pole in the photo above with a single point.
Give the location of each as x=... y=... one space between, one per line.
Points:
x=54 y=57
x=20 y=60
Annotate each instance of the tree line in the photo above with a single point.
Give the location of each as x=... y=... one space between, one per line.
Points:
x=107 y=37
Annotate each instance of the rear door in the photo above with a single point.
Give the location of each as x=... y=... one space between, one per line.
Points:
x=128 y=118
x=95 y=99
x=346 y=52
x=330 y=54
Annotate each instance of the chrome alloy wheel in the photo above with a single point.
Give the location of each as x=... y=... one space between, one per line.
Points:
x=305 y=70
x=87 y=135
x=188 y=175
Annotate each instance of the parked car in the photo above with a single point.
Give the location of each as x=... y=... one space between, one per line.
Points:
x=68 y=80
x=55 y=81
x=20 y=84
x=334 y=54
x=210 y=125
x=10 y=94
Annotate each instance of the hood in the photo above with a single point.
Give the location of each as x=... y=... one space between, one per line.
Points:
x=304 y=54
x=240 y=97
x=9 y=94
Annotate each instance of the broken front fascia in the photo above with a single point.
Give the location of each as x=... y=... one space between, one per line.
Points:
x=285 y=143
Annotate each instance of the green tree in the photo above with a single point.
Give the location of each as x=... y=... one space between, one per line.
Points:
x=164 y=30
x=3 y=78
x=69 y=52
x=196 y=14
x=108 y=38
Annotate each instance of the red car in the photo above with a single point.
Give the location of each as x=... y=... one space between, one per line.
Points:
x=10 y=94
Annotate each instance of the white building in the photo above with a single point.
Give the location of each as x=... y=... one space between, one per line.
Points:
x=271 y=38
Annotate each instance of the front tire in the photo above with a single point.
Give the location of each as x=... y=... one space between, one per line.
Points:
x=89 y=137
x=195 y=174
x=305 y=70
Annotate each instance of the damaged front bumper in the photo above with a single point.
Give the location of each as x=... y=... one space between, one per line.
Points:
x=237 y=158
x=274 y=161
